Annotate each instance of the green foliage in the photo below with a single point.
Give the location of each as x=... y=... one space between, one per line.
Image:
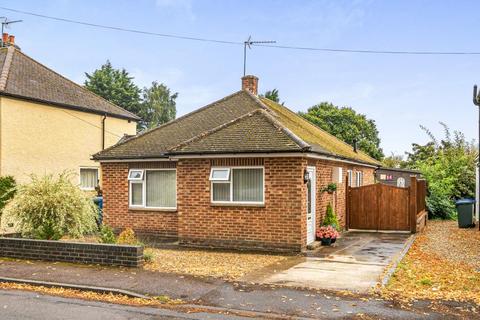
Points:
x=148 y=256
x=347 y=125
x=127 y=236
x=272 y=95
x=154 y=105
x=7 y=190
x=107 y=235
x=394 y=161
x=158 y=105
x=330 y=217
x=330 y=188
x=116 y=86
x=448 y=166
x=50 y=207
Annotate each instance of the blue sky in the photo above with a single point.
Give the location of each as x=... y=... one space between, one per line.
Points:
x=398 y=92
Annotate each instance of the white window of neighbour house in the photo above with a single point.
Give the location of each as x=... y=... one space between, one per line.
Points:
x=88 y=178
x=242 y=185
x=350 y=178
x=153 y=188
x=358 y=178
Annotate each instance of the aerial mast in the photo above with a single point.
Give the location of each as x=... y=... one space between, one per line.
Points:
x=5 y=24
x=248 y=43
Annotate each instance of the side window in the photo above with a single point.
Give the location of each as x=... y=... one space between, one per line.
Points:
x=88 y=178
x=401 y=182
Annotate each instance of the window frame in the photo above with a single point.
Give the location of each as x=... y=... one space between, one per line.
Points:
x=219 y=180
x=136 y=179
x=80 y=178
x=143 y=182
x=359 y=178
x=230 y=181
x=350 y=178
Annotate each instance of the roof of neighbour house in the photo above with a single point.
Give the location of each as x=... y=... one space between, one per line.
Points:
x=24 y=78
x=399 y=170
x=238 y=123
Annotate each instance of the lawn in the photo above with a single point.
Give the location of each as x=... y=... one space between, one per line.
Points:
x=209 y=263
x=442 y=264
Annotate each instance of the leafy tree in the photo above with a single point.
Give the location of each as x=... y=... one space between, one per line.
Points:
x=158 y=105
x=394 y=161
x=116 y=86
x=272 y=95
x=347 y=125
x=448 y=166
x=49 y=207
x=7 y=190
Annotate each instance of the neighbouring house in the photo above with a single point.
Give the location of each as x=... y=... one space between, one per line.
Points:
x=243 y=172
x=49 y=124
x=396 y=176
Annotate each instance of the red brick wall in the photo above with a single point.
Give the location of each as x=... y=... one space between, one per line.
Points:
x=279 y=224
x=116 y=211
x=338 y=199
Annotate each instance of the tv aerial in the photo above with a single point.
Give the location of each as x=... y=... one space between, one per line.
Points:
x=248 y=43
x=6 y=24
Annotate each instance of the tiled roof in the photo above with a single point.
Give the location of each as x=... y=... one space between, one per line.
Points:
x=239 y=123
x=22 y=77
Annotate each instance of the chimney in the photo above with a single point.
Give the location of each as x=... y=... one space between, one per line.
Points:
x=4 y=39
x=250 y=83
x=355 y=145
x=11 y=40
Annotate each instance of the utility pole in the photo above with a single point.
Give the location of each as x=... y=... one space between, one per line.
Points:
x=476 y=101
x=248 y=43
x=5 y=24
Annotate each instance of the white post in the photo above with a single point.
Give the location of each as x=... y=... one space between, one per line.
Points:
x=477 y=193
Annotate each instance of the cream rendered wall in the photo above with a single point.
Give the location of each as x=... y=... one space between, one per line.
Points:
x=37 y=138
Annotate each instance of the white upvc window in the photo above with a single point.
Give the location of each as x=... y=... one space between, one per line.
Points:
x=359 y=178
x=153 y=188
x=242 y=185
x=88 y=178
x=350 y=178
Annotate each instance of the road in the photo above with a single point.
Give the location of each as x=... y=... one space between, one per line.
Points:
x=25 y=305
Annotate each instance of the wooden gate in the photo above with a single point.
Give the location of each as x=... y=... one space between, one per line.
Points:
x=383 y=207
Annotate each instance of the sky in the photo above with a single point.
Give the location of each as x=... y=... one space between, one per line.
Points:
x=399 y=92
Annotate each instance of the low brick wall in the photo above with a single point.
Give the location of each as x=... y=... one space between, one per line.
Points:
x=89 y=253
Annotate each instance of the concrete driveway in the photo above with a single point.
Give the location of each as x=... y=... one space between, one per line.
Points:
x=356 y=263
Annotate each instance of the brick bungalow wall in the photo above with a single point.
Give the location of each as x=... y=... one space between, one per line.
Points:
x=279 y=224
x=118 y=215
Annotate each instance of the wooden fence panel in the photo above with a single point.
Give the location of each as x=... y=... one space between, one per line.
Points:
x=363 y=207
x=393 y=208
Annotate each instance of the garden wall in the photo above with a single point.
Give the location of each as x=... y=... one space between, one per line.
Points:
x=89 y=253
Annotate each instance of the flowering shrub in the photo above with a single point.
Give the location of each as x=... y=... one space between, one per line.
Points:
x=327 y=232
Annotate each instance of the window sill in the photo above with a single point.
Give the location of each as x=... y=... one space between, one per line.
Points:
x=233 y=204
x=173 y=210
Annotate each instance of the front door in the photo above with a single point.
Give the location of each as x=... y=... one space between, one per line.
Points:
x=311 y=183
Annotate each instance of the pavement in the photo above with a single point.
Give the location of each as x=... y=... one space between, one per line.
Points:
x=356 y=263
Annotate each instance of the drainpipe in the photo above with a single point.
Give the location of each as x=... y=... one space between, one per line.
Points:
x=476 y=101
x=103 y=131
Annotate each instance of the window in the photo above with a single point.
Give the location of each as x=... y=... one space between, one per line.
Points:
x=237 y=185
x=359 y=178
x=88 y=178
x=350 y=178
x=401 y=182
x=153 y=188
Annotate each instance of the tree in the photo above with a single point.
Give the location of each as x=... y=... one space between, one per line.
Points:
x=49 y=207
x=116 y=86
x=158 y=105
x=394 y=161
x=347 y=125
x=272 y=95
x=448 y=166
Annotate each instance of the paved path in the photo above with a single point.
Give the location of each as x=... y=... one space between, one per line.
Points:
x=355 y=263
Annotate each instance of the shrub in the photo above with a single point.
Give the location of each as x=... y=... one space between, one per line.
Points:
x=7 y=190
x=330 y=218
x=107 y=235
x=49 y=207
x=127 y=236
x=148 y=256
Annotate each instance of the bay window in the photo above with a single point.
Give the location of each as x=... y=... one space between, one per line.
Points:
x=237 y=185
x=153 y=188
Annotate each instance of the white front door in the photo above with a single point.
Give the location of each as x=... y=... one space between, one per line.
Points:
x=311 y=184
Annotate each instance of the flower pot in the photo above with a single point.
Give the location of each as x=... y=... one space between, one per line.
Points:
x=326 y=241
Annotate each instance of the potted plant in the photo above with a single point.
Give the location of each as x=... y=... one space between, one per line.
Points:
x=327 y=234
x=330 y=188
x=330 y=217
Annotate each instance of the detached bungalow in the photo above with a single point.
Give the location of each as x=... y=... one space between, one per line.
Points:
x=243 y=172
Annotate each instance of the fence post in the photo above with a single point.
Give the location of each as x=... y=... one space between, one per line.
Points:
x=413 y=204
x=347 y=203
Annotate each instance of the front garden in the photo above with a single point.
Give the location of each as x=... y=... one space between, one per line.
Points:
x=442 y=264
